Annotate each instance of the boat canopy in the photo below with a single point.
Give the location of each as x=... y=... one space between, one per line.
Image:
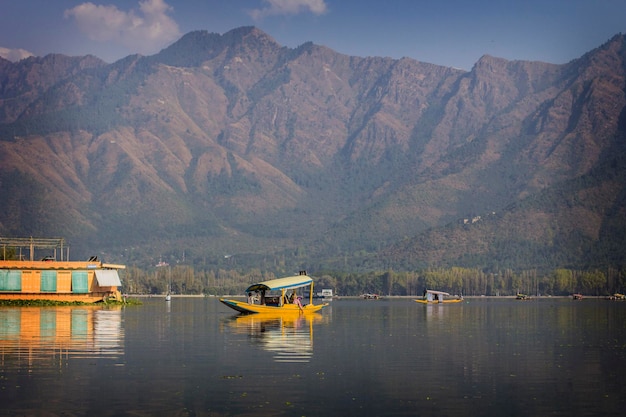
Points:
x=437 y=292
x=296 y=281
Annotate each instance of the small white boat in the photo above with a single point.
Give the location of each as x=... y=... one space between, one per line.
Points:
x=326 y=294
x=369 y=296
x=438 y=297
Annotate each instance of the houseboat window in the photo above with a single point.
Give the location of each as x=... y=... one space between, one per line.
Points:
x=48 y=281
x=80 y=283
x=10 y=280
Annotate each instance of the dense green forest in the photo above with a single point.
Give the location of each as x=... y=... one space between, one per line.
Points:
x=464 y=281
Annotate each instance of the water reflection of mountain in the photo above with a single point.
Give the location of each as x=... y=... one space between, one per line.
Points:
x=290 y=339
x=38 y=333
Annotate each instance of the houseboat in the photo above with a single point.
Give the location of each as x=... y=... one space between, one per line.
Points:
x=53 y=277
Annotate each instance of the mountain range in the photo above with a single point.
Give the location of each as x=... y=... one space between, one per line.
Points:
x=234 y=150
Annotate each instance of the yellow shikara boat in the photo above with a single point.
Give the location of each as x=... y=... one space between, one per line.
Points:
x=438 y=297
x=272 y=297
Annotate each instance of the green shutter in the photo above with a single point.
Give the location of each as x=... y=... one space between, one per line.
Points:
x=80 y=282
x=10 y=280
x=48 y=281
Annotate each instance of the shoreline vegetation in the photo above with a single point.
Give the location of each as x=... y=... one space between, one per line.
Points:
x=185 y=279
x=391 y=297
x=51 y=303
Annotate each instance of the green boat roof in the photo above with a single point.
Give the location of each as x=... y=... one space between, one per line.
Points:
x=296 y=281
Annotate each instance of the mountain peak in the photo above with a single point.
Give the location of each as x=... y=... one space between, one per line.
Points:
x=248 y=32
x=490 y=62
x=197 y=46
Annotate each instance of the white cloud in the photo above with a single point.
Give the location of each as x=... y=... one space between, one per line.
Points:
x=289 y=7
x=144 y=31
x=14 y=55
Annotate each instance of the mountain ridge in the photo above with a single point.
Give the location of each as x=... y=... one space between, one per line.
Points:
x=235 y=144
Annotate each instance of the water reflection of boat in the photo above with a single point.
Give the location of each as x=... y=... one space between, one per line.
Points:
x=438 y=297
x=274 y=299
x=288 y=337
x=168 y=296
x=42 y=332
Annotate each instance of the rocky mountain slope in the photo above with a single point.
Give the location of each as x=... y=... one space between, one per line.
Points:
x=233 y=144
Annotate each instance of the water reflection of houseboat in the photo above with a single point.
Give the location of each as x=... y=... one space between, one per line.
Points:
x=78 y=331
x=289 y=338
x=54 y=277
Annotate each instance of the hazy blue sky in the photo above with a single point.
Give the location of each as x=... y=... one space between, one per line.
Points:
x=453 y=33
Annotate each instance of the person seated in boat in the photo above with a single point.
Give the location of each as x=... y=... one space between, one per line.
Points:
x=250 y=298
x=297 y=301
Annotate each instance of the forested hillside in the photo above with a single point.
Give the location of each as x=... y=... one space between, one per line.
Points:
x=233 y=152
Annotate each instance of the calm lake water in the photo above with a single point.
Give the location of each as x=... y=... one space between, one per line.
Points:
x=195 y=357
